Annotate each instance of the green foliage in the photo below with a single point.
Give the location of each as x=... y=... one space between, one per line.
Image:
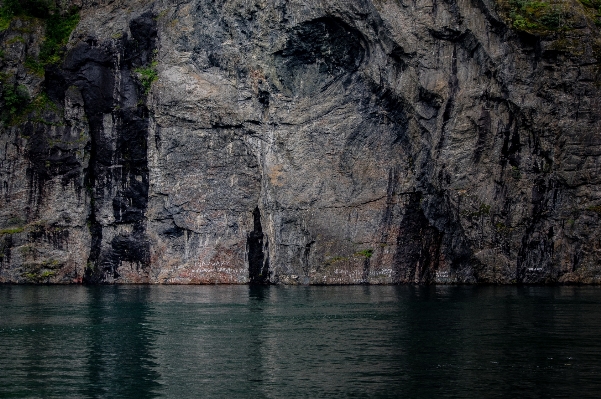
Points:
x=36 y=276
x=336 y=259
x=59 y=26
x=366 y=253
x=47 y=274
x=147 y=75
x=502 y=228
x=483 y=210
x=58 y=30
x=593 y=9
x=12 y=230
x=533 y=15
x=18 y=105
x=515 y=173
x=51 y=264
x=5 y=19
x=28 y=8
x=22 y=8
x=34 y=66
x=15 y=99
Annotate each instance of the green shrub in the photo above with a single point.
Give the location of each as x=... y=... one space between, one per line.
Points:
x=58 y=25
x=147 y=75
x=14 y=99
x=58 y=30
x=532 y=15
x=552 y=19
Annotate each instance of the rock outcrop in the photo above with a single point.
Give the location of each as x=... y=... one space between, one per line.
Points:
x=302 y=142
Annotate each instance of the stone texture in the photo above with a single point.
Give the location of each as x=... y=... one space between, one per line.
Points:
x=305 y=142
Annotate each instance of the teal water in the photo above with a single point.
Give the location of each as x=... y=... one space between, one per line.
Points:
x=284 y=342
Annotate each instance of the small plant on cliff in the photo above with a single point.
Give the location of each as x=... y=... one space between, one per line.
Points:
x=147 y=75
x=14 y=100
x=516 y=173
x=366 y=253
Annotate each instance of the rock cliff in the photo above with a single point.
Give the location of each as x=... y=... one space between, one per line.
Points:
x=300 y=142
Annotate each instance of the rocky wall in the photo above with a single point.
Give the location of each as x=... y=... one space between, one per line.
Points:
x=303 y=142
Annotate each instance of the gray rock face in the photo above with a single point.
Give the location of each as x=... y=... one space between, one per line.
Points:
x=304 y=142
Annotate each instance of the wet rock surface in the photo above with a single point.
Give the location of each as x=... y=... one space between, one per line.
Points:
x=302 y=142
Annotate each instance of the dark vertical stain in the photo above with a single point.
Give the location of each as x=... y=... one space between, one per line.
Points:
x=118 y=159
x=418 y=246
x=484 y=129
x=366 y=267
x=258 y=263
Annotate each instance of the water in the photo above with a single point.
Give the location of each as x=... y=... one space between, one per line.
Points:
x=283 y=342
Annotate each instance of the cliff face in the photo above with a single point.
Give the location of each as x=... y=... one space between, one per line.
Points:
x=334 y=142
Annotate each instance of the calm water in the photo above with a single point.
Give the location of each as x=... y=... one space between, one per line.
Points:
x=281 y=342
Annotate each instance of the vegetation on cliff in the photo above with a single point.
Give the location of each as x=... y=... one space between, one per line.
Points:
x=58 y=24
x=57 y=27
x=549 y=16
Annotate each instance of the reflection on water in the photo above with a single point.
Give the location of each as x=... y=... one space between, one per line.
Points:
x=119 y=340
x=274 y=342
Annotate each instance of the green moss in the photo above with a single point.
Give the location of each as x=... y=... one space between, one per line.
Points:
x=15 y=39
x=366 y=253
x=12 y=230
x=6 y=16
x=336 y=259
x=47 y=274
x=51 y=264
x=548 y=16
x=37 y=277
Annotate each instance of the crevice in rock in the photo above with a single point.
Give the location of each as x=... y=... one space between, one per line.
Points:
x=258 y=262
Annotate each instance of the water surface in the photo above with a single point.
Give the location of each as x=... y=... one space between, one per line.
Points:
x=281 y=342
